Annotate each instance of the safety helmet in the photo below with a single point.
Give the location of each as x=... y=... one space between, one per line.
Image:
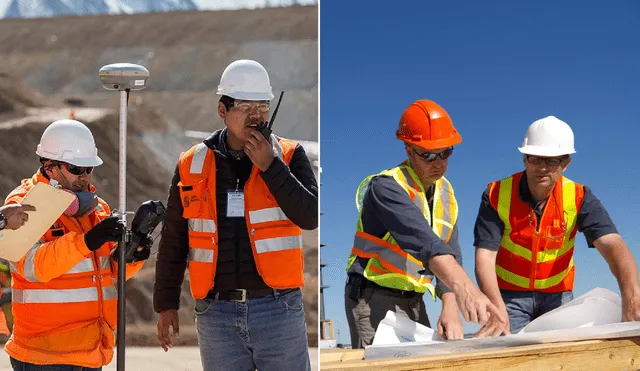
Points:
x=427 y=125
x=548 y=137
x=245 y=79
x=69 y=141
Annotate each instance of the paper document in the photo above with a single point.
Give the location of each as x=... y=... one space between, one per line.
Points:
x=50 y=203
x=594 y=315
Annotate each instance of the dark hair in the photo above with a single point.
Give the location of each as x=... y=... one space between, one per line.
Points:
x=227 y=101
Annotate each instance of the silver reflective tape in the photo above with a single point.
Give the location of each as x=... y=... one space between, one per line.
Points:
x=278 y=244
x=54 y=296
x=30 y=263
x=197 y=162
x=202 y=225
x=109 y=292
x=389 y=256
x=201 y=255
x=105 y=262
x=84 y=266
x=267 y=215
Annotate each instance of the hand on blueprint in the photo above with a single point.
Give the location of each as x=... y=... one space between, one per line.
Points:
x=631 y=307
x=476 y=306
x=495 y=326
x=449 y=324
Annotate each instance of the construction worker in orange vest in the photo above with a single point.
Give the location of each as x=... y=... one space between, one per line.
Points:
x=12 y=217
x=64 y=296
x=406 y=232
x=526 y=228
x=237 y=205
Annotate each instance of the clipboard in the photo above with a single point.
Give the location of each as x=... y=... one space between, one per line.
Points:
x=50 y=203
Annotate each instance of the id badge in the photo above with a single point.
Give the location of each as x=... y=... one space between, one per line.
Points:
x=235 y=204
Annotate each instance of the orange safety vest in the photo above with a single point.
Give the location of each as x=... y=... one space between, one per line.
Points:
x=64 y=297
x=275 y=240
x=536 y=256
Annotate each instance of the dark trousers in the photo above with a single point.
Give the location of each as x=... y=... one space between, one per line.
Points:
x=367 y=306
x=24 y=366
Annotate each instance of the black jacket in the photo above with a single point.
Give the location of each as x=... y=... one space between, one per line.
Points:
x=294 y=188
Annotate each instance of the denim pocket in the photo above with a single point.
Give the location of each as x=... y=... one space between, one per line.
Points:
x=292 y=301
x=203 y=306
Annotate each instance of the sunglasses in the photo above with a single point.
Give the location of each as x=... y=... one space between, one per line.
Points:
x=430 y=157
x=76 y=170
x=550 y=161
x=246 y=107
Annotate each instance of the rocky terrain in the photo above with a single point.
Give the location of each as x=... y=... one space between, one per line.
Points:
x=48 y=71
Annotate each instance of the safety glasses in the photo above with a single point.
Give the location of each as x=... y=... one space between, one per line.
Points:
x=248 y=106
x=430 y=157
x=550 y=161
x=76 y=170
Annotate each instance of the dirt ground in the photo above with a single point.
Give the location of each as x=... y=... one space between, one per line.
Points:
x=177 y=359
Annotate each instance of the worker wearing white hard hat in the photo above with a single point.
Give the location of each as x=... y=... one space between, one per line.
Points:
x=237 y=205
x=526 y=228
x=64 y=298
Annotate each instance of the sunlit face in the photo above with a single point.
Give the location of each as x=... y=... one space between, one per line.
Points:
x=543 y=172
x=243 y=117
x=428 y=165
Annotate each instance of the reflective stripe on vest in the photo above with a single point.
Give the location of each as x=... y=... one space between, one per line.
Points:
x=62 y=296
x=271 y=214
x=391 y=256
x=508 y=191
x=201 y=255
x=202 y=225
x=83 y=266
x=278 y=244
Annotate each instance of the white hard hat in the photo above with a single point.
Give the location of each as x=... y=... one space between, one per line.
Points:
x=69 y=141
x=548 y=137
x=245 y=79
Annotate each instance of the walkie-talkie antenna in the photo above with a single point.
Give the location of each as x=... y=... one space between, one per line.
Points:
x=275 y=111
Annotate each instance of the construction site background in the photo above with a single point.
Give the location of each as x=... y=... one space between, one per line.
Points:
x=49 y=71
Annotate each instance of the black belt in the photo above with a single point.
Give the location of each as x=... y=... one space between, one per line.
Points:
x=365 y=283
x=241 y=295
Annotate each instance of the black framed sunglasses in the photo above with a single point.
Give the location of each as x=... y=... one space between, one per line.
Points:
x=430 y=156
x=76 y=170
x=550 y=161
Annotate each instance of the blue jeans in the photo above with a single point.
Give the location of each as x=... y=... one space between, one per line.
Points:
x=267 y=333
x=525 y=306
x=24 y=366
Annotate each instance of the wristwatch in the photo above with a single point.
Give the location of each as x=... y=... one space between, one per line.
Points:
x=3 y=222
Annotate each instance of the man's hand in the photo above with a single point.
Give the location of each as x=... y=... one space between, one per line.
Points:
x=16 y=215
x=476 y=306
x=168 y=318
x=630 y=307
x=449 y=324
x=259 y=150
x=109 y=229
x=495 y=327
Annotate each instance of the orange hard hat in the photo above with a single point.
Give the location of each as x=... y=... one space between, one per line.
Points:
x=427 y=125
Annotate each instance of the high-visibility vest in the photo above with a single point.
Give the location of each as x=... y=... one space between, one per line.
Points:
x=64 y=297
x=389 y=265
x=536 y=255
x=275 y=240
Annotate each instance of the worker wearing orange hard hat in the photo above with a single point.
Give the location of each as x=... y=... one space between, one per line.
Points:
x=407 y=232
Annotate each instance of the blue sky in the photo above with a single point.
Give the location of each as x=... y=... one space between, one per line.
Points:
x=495 y=66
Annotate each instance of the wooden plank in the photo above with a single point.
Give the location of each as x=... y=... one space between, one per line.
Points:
x=618 y=354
